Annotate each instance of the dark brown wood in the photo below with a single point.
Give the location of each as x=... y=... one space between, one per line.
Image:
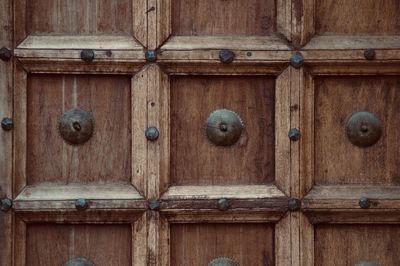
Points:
x=248 y=244
x=207 y=17
x=194 y=159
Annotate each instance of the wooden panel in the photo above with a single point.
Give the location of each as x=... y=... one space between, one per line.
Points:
x=106 y=156
x=208 y=17
x=194 y=159
x=337 y=160
x=50 y=244
x=349 y=244
x=357 y=16
x=196 y=244
x=78 y=17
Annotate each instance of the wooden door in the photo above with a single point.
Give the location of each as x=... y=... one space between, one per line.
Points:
x=181 y=132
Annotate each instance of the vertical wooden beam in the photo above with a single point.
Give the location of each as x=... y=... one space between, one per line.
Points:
x=282 y=126
x=139 y=8
x=20 y=134
x=139 y=124
x=159 y=22
x=19 y=253
x=283 y=241
x=139 y=241
x=6 y=110
x=284 y=18
x=302 y=22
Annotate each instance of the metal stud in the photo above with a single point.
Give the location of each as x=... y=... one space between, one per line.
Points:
x=81 y=204
x=79 y=261
x=297 y=60
x=152 y=133
x=223 y=261
x=76 y=126
x=6 y=204
x=364 y=203
x=7 y=124
x=223 y=204
x=363 y=129
x=223 y=127
x=367 y=263
x=226 y=56
x=5 y=54
x=294 y=134
x=154 y=204
x=151 y=55
x=369 y=54
x=87 y=55
x=294 y=204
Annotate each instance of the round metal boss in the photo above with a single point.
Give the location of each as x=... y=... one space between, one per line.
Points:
x=222 y=261
x=79 y=261
x=223 y=127
x=363 y=129
x=76 y=126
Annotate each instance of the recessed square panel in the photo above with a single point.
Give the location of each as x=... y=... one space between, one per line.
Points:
x=246 y=244
x=380 y=17
x=221 y=17
x=337 y=159
x=105 y=156
x=78 y=17
x=52 y=244
x=351 y=244
x=195 y=160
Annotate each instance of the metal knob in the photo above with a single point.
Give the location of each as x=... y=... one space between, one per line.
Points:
x=223 y=204
x=79 y=261
x=364 y=203
x=7 y=124
x=294 y=204
x=226 y=56
x=81 y=204
x=154 y=204
x=76 y=126
x=5 y=54
x=87 y=55
x=363 y=129
x=151 y=55
x=223 y=261
x=296 y=60
x=223 y=127
x=369 y=54
x=6 y=204
x=294 y=134
x=152 y=133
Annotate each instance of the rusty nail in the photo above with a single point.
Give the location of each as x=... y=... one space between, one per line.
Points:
x=6 y=204
x=223 y=204
x=369 y=54
x=226 y=56
x=154 y=204
x=81 y=204
x=151 y=55
x=7 y=123
x=87 y=55
x=294 y=134
x=5 y=54
x=294 y=204
x=364 y=203
x=296 y=60
x=152 y=133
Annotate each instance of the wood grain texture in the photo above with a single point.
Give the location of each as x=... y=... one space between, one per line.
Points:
x=357 y=17
x=337 y=161
x=194 y=159
x=248 y=244
x=106 y=157
x=349 y=244
x=50 y=244
x=207 y=17
x=79 y=17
